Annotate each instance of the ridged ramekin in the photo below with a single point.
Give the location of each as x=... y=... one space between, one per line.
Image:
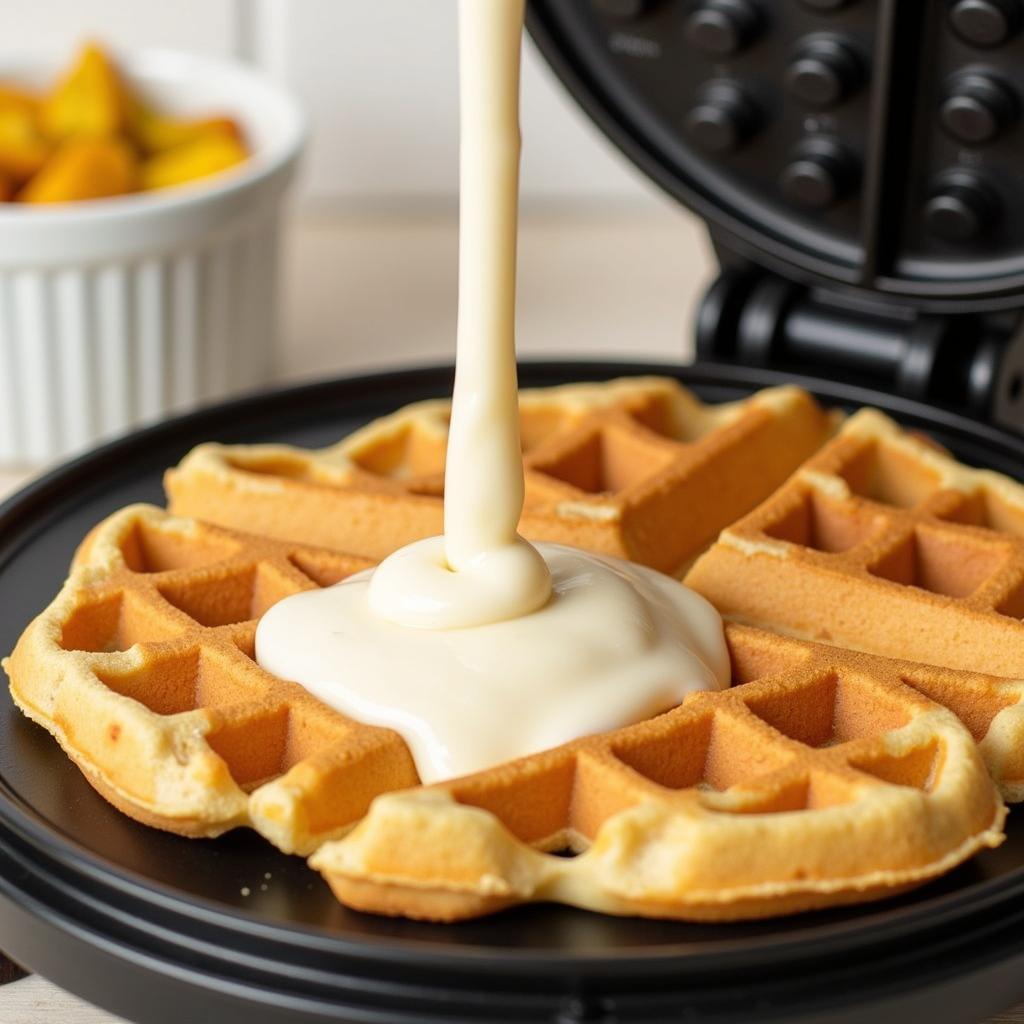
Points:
x=119 y=311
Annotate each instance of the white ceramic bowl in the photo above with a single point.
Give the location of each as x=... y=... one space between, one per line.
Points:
x=116 y=312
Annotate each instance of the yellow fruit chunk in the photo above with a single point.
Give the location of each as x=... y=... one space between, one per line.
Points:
x=15 y=96
x=203 y=156
x=90 y=101
x=156 y=133
x=22 y=148
x=84 y=169
x=84 y=140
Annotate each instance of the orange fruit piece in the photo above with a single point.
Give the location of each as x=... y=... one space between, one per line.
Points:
x=90 y=100
x=83 y=140
x=16 y=96
x=84 y=169
x=156 y=133
x=205 y=155
x=22 y=148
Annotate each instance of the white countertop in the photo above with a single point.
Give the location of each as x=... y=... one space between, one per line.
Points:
x=373 y=292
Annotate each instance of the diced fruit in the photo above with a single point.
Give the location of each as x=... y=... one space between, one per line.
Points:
x=89 y=102
x=22 y=147
x=84 y=169
x=86 y=138
x=15 y=96
x=206 y=155
x=156 y=133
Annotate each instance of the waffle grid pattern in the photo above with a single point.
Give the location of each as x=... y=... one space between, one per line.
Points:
x=847 y=783
x=883 y=543
x=622 y=468
x=816 y=746
x=154 y=634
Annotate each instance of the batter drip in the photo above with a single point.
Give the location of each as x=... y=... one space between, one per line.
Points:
x=479 y=647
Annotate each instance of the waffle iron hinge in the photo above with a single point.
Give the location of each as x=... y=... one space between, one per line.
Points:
x=971 y=363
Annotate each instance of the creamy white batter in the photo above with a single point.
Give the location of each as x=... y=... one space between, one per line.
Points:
x=478 y=647
x=615 y=644
x=481 y=570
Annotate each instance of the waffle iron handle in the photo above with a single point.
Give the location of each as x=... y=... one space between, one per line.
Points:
x=970 y=363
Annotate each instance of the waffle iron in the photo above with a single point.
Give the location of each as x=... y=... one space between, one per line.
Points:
x=855 y=164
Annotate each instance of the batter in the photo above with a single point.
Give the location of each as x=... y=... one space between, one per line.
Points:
x=478 y=647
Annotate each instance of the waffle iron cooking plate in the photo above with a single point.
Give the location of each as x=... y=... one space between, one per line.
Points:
x=157 y=928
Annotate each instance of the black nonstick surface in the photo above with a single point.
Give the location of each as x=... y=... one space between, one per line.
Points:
x=159 y=929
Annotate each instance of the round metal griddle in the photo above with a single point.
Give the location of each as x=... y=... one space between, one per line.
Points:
x=157 y=928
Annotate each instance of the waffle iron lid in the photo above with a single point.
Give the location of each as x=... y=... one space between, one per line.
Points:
x=868 y=146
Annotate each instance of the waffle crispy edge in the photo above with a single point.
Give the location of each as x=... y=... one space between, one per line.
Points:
x=169 y=718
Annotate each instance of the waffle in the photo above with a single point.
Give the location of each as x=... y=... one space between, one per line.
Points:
x=822 y=780
x=142 y=669
x=884 y=543
x=637 y=468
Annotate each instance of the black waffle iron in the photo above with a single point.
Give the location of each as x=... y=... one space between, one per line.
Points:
x=860 y=165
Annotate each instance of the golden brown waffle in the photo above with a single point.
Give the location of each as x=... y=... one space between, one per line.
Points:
x=883 y=543
x=637 y=468
x=142 y=669
x=822 y=780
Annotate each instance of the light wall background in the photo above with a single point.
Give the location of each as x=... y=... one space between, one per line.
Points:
x=608 y=265
x=380 y=82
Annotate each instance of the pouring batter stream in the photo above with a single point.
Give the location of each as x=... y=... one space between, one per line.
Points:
x=478 y=647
